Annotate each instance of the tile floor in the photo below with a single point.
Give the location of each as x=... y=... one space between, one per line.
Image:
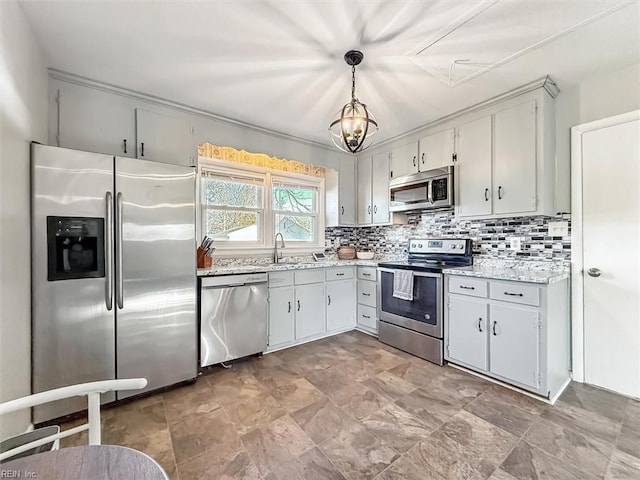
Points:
x=349 y=407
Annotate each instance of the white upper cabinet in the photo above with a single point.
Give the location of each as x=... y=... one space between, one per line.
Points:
x=164 y=138
x=340 y=188
x=404 y=160
x=373 y=190
x=514 y=159
x=506 y=160
x=94 y=121
x=473 y=168
x=365 y=209
x=437 y=150
x=380 y=188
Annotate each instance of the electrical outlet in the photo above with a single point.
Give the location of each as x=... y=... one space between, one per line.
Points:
x=515 y=243
x=558 y=229
x=327 y=243
x=336 y=242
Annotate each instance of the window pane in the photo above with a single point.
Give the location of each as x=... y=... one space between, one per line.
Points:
x=233 y=226
x=297 y=199
x=226 y=192
x=296 y=228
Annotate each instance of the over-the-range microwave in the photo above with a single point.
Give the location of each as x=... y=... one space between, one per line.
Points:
x=421 y=191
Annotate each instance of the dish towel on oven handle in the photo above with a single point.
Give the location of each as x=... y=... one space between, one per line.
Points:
x=403 y=284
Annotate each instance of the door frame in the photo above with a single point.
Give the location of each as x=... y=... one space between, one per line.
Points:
x=577 y=250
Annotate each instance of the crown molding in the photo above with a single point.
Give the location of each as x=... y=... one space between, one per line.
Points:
x=136 y=95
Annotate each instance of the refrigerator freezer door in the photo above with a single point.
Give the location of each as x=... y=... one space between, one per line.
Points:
x=155 y=291
x=72 y=329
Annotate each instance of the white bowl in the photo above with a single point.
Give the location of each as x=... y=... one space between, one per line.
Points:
x=365 y=255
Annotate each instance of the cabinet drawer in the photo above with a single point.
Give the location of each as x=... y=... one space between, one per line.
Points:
x=367 y=293
x=468 y=286
x=312 y=275
x=280 y=279
x=367 y=316
x=523 y=293
x=367 y=273
x=339 y=273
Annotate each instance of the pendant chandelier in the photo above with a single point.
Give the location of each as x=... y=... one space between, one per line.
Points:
x=356 y=127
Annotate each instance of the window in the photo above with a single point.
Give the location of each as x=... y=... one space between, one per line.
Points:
x=243 y=208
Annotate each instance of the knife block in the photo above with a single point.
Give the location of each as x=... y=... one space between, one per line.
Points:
x=202 y=260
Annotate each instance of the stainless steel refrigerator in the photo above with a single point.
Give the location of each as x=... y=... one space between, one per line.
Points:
x=113 y=273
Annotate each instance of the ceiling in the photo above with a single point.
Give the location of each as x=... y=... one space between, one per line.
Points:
x=279 y=64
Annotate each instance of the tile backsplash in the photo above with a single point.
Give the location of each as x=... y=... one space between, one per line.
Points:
x=490 y=237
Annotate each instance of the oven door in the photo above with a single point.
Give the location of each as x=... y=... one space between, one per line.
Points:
x=422 y=314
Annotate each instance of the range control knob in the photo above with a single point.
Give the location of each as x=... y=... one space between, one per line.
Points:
x=419 y=245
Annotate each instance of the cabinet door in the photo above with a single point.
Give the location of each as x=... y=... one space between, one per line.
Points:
x=365 y=210
x=514 y=343
x=341 y=305
x=404 y=160
x=474 y=168
x=310 y=313
x=380 y=188
x=514 y=160
x=468 y=331
x=437 y=150
x=281 y=316
x=95 y=121
x=163 y=138
x=347 y=189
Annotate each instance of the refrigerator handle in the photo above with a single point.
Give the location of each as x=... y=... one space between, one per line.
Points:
x=109 y=251
x=119 y=286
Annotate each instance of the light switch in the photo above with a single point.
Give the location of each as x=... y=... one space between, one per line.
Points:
x=558 y=229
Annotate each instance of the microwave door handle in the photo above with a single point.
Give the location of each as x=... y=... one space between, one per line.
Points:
x=430 y=191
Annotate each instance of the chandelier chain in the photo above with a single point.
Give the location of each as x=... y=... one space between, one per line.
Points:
x=353 y=82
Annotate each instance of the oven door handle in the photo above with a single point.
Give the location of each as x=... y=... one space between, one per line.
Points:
x=416 y=273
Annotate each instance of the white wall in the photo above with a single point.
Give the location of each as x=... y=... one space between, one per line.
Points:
x=609 y=94
x=23 y=117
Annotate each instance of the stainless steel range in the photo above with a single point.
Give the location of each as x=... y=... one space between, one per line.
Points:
x=410 y=296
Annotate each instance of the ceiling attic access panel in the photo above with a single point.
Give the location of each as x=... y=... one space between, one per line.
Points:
x=495 y=32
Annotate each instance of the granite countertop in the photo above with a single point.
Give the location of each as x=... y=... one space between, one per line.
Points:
x=508 y=273
x=278 y=267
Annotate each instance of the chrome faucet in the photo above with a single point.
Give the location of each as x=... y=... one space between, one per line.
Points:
x=278 y=255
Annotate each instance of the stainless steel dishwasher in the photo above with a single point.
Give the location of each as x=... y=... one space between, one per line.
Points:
x=233 y=317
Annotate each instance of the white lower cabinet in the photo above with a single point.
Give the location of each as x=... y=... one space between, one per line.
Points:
x=307 y=304
x=367 y=320
x=341 y=305
x=281 y=316
x=514 y=342
x=310 y=314
x=516 y=332
x=468 y=331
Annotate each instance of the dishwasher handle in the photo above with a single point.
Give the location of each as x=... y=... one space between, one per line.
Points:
x=233 y=280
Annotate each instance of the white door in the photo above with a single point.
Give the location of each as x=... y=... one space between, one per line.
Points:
x=436 y=150
x=281 y=316
x=611 y=240
x=514 y=159
x=468 y=326
x=365 y=211
x=514 y=343
x=347 y=194
x=341 y=305
x=474 y=168
x=310 y=312
x=163 y=138
x=380 y=188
